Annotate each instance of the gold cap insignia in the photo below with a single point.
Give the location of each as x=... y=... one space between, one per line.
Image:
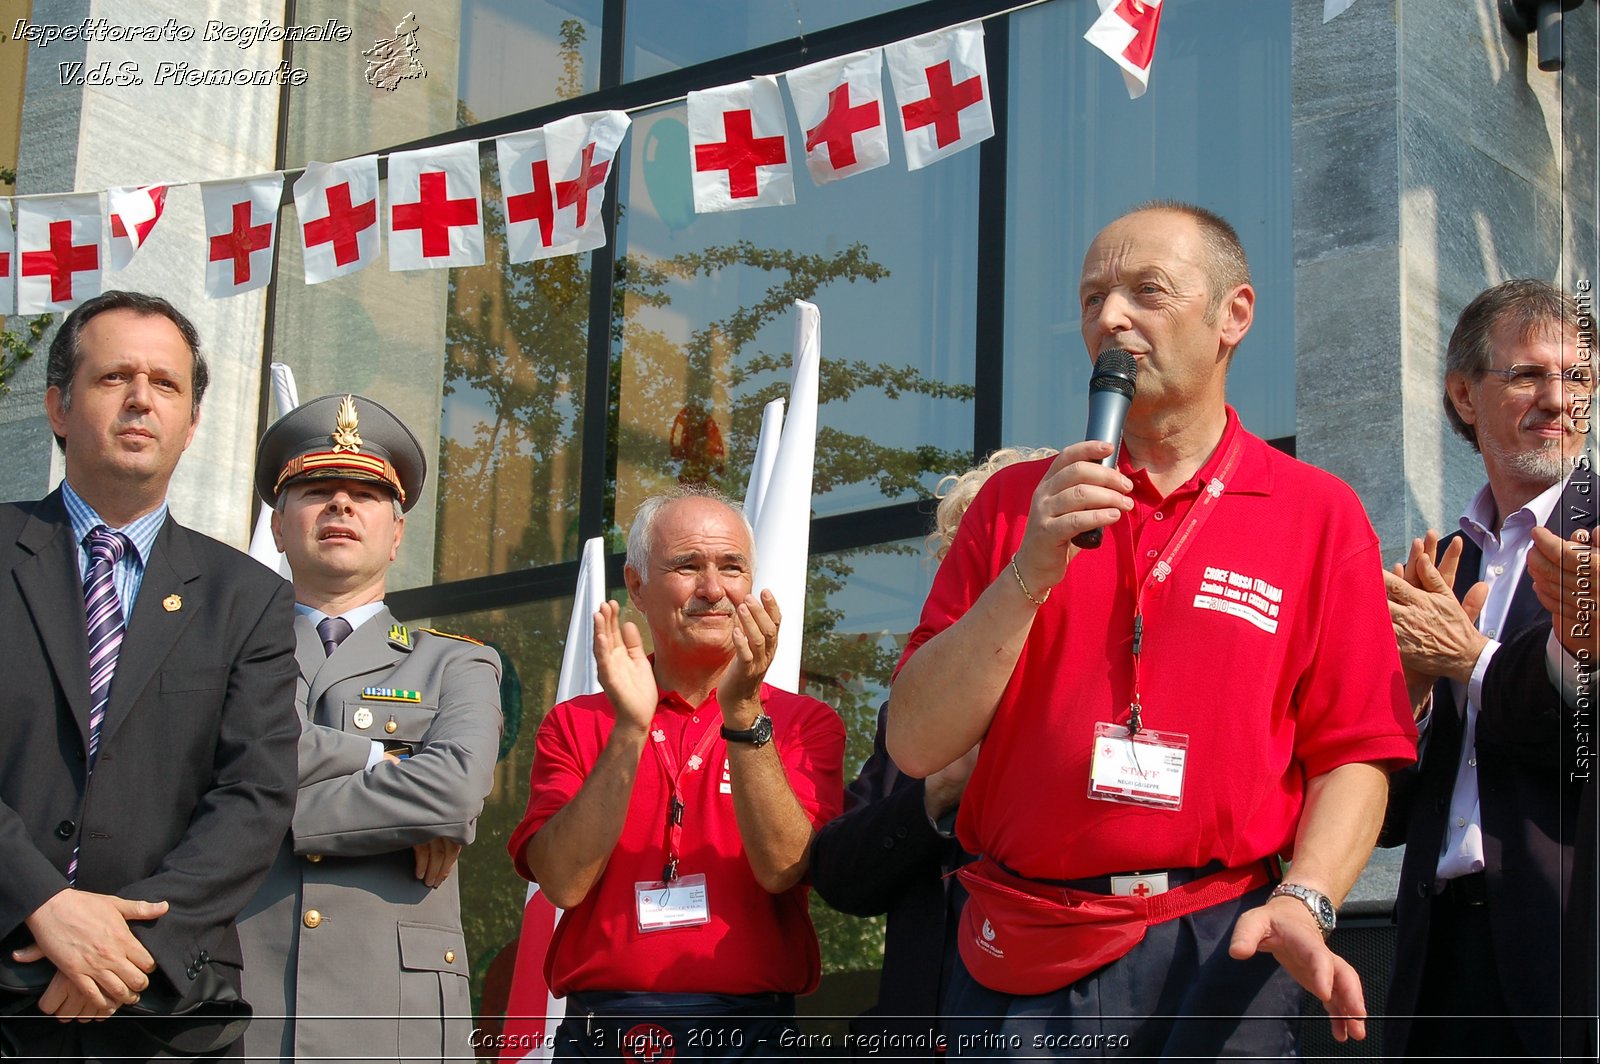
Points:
x=346 y=435
x=172 y=603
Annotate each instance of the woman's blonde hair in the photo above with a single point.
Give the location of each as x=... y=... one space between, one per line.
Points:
x=956 y=492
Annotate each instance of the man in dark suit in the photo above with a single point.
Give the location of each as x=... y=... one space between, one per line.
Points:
x=1487 y=814
x=894 y=852
x=147 y=732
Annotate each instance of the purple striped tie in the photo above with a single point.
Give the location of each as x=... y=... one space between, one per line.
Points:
x=106 y=627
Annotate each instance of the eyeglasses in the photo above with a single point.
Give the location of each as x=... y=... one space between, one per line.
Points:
x=1527 y=379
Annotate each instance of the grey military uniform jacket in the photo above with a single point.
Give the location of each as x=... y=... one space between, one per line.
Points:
x=342 y=928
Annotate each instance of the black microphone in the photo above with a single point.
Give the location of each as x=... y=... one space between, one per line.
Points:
x=1110 y=395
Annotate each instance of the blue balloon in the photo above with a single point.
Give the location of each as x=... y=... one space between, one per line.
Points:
x=666 y=173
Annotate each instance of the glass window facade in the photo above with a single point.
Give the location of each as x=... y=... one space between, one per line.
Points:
x=1080 y=152
x=667 y=35
x=554 y=397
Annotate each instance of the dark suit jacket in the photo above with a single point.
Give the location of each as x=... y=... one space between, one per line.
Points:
x=882 y=856
x=194 y=783
x=1527 y=803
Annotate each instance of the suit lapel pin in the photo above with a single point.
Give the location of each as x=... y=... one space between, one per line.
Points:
x=172 y=603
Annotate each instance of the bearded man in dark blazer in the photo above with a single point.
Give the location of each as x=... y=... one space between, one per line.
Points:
x=147 y=729
x=1488 y=812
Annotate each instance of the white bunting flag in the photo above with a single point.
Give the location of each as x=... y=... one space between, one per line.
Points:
x=134 y=213
x=8 y=260
x=739 y=147
x=241 y=226
x=338 y=208
x=58 y=252
x=839 y=103
x=941 y=82
x=435 y=208
x=528 y=199
x=1126 y=31
x=582 y=150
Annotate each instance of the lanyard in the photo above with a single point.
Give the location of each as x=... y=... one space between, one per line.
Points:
x=669 y=765
x=1188 y=529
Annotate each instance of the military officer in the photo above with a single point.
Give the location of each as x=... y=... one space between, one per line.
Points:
x=353 y=946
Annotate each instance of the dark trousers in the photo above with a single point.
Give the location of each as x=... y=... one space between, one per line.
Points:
x=1176 y=994
x=32 y=1037
x=651 y=1028
x=1461 y=1010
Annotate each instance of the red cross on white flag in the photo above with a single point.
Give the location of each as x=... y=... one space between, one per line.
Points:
x=839 y=103
x=338 y=208
x=583 y=149
x=435 y=208
x=1126 y=31
x=134 y=213
x=241 y=225
x=58 y=252
x=8 y=260
x=739 y=147
x=941 y=81
x=527 y=197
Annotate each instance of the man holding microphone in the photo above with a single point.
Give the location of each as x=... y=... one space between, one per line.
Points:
x=1163 y=717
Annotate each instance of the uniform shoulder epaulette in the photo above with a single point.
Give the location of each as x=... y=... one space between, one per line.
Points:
x=453 y=635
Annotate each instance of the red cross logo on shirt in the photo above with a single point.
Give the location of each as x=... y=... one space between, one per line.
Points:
x=537 y=205
x=240 y=242
x=943 y=106
x=343 y=224
x=435 y=213
x=62 y=260
x=840 y=125
x=1140 y=889
x=1143 y=18
x=740 y=154
x=577 y=190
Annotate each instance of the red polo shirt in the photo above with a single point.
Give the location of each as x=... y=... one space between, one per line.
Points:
x=1269 y=645
x=755 y=942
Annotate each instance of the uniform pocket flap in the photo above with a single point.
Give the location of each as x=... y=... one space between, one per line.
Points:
x=424 y=948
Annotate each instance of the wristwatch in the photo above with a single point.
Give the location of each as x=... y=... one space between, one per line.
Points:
x=759 y=733
x=1321 y=908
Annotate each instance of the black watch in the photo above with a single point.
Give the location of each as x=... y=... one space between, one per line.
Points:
x=759 y=733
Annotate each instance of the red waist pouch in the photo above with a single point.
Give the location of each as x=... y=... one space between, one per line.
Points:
x=1023 y=937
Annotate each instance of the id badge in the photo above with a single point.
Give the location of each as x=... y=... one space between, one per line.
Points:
x=681 y=903
x=1145 y=769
